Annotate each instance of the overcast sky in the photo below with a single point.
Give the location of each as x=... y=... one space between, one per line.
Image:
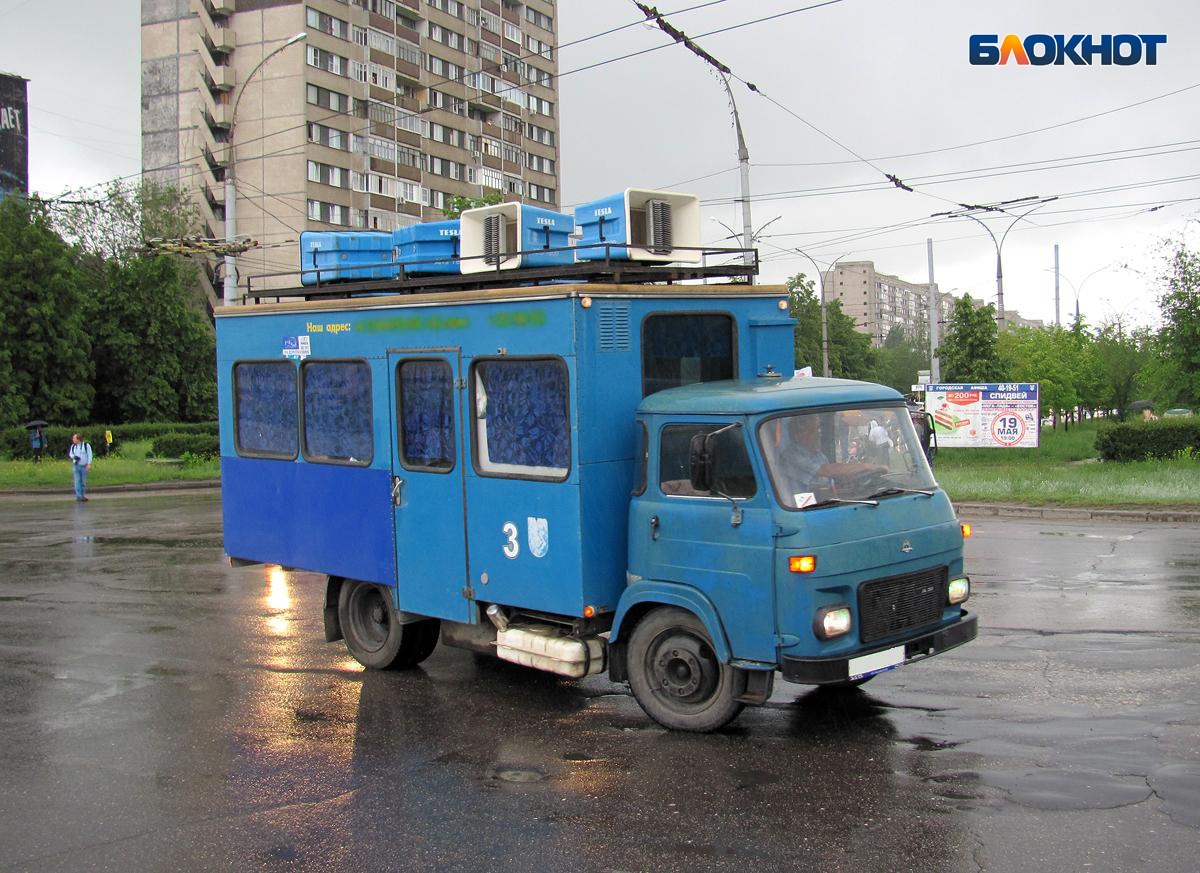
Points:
x=882 y=77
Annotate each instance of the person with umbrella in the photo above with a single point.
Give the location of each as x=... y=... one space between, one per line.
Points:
x=37 y=439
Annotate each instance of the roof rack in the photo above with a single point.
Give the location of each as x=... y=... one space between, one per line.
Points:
x=606 y=270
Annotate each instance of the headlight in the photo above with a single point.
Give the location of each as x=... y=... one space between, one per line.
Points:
x=960 y=590
x=832 y=621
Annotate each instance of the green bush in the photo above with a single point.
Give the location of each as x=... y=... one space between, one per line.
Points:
x=179 y=445
x=1139 y=440
x=14 y=441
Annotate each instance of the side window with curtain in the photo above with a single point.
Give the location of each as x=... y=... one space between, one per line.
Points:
x=686 y=348
x=425 y=392
x=522 y=427
x=337 y=412
x=264 y=402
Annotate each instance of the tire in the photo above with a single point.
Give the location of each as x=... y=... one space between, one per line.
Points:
x=373 y=635
x=675 y=675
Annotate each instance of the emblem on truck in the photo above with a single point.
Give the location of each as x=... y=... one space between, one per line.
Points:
x=906 y=547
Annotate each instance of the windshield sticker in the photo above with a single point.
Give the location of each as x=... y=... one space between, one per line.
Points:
x=804 y=498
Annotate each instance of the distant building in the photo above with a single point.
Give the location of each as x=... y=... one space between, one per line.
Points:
x=879 y=302
x=387 y=110
x=14 y=135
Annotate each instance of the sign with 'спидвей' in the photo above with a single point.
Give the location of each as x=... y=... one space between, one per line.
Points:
x=1003 y=415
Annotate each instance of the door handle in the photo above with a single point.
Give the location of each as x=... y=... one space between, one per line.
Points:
x=397 y=489
x=654 y=527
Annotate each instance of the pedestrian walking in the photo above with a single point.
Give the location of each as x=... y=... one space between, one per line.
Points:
x=80 y=454
x=37 y=442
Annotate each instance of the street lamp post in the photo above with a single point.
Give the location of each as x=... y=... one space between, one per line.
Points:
x=1078 y=289
x=230 y=284
x=824 y=318
x=969 y=212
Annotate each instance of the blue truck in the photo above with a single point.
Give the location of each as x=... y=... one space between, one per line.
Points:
x=588 y=478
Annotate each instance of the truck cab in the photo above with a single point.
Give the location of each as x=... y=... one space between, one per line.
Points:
x=781 y=525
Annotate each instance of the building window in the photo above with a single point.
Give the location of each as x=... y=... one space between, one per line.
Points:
x=540 y=192
x=513 y=185
x=328 y=61
x=521 y=423
x=539 y=163
x=327 y=24
x=326 y=136
x=264 y=409
x=328 y=213
x=490 y=178
x=686 y=348
x=512 y=32
x=327 y=174
x=539 y=134
x=541 y=19
x=381 y=41
x=538 y=47
x=337 y=412
x=425 y=415
x=510 y=153
x=406 y=51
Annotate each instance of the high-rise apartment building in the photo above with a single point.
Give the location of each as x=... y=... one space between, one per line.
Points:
x=879 y=302
x=381 y=115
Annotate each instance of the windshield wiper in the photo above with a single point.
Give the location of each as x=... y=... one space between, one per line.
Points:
x=892 y=489
x=830 y=501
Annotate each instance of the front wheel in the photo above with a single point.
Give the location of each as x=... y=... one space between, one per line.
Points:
x=675 y=674
x=373 y=635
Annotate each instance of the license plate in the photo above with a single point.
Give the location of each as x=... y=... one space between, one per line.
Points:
x=876 y=662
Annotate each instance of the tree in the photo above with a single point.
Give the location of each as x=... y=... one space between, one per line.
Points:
x=850 y=352
x=154 y=353
x=45 y=351
x=118 y=222
x=459 y=204
x=900 y=358
x=968 y=350
x=1179 y=339
x=1121 y=355
x=1043 y=355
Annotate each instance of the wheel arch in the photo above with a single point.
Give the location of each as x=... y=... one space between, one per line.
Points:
x=642 y=597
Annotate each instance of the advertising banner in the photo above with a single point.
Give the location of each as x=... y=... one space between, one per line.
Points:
x=1001 y=416
x=14 y=136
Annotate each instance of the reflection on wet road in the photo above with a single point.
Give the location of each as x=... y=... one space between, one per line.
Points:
x=161 y=710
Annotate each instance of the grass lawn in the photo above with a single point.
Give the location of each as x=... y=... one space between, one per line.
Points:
x=1058 y=473
x=131 y=467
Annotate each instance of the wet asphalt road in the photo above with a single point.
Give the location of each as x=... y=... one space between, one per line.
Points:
x=160 y=710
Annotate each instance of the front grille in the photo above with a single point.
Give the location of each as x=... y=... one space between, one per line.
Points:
x=896 y=604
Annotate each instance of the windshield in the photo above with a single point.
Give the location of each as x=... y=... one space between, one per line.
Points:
x=822 y=458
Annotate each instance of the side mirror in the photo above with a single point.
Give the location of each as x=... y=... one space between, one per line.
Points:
x=701 y=464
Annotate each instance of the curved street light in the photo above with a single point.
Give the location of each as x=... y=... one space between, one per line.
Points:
x=824 y=319
x=230 y=284
x=1078 y=289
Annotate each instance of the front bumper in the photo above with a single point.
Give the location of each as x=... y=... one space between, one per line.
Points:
x=823 y=671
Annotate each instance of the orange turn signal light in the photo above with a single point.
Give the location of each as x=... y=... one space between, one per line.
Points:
x=802 y=563
x=966 y=529
x=589 y=611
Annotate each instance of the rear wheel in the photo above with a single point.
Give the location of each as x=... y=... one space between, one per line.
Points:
x=675 y=674
x=373 y=635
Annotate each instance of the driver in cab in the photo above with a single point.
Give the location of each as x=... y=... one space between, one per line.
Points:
x=805 y=467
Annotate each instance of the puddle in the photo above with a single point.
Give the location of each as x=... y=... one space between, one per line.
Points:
x=517 y=775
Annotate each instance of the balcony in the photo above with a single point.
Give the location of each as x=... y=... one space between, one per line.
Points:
x=221 y=7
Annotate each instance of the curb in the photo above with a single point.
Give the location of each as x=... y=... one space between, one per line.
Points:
x=1062 y=513
x=194 y=485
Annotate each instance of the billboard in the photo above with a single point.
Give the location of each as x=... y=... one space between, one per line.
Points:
x=1002 y=415
x=14 y=135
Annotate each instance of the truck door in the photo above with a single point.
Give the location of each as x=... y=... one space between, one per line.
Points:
x=427 y=482
x=690 y=537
